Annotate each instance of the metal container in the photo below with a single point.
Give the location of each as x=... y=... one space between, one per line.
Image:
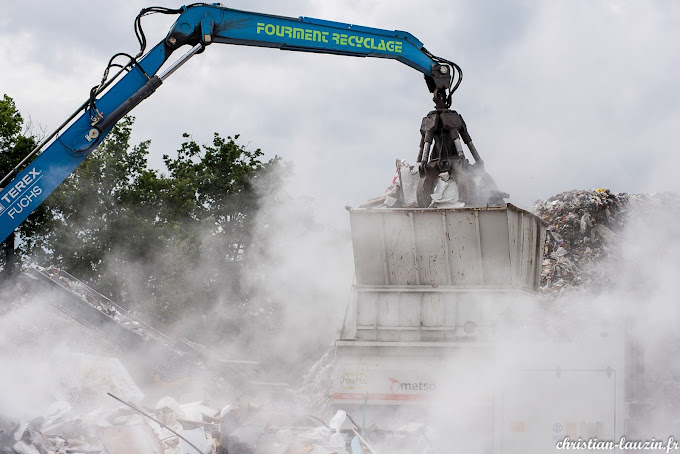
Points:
x=495 y=247
x=440 y=274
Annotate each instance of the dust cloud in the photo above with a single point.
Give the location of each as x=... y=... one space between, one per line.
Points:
x=529 y=372
x=545 y=376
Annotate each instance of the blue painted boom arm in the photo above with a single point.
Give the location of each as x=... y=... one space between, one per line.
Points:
x=200 y=26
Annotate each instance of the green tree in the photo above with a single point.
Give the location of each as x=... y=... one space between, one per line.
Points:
x=15 y=144
x=208 y=208
x=170 y=244
x=99 y=222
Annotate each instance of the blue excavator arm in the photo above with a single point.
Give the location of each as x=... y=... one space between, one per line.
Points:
x=198 y=26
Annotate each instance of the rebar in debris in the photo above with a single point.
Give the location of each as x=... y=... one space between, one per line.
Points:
x=154 y=419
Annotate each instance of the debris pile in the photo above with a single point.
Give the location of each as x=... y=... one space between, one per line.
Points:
x=473 y=189
x=583 y=229
x=105 y=305
x=77 y=410
x=315 y=392
x=169 y=427
x=170 y=359
x=402 y=192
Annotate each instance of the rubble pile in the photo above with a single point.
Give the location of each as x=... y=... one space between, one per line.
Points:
x=74 y=411
x=317 y=383
x=169 y=427
x=402 y=192
x=583 y=229
x=171 y=360
x=114 y=430
x=105 y=305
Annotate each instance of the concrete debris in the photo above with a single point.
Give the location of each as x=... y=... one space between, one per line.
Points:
x=23 y=448
x=83 y=380
x=130 y=439
x=114 y=430
x=168 y=427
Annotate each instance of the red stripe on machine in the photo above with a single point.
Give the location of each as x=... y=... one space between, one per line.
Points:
x=378 y=396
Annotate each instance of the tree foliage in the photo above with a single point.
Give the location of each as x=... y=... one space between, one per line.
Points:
x=91 y=214
x=15 y=144
x=167 y=243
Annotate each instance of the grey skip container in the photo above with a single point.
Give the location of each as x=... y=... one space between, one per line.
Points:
x=440 y=274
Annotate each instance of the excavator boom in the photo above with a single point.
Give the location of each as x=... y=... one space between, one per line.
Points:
x=200 y=25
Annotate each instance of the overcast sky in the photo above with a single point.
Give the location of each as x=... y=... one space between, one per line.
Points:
x=557 y=94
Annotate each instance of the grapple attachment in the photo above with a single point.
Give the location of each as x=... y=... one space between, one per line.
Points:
x=443 y=132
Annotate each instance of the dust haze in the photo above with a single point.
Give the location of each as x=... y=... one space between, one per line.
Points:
x=302 y=273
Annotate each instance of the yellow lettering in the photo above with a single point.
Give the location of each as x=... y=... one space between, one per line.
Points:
x=368 y=42
x=397 y=46
x=341 y=39
x=390 y=46
x=381 y=46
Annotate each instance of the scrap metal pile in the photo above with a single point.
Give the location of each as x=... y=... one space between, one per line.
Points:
x=584 y=229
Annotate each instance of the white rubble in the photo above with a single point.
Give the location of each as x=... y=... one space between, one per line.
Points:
x=80 y=378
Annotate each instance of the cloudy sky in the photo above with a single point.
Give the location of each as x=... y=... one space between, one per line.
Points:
x=557 y=94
